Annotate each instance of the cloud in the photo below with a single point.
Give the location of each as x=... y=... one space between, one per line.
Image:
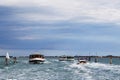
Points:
x=60 y=24
x=28 y=38
x=88 y=34
x=74 y=10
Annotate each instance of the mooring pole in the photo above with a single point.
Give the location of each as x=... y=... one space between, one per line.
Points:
x=110 y=60
x=89 y=58
x=96 y=59
x=15 y=59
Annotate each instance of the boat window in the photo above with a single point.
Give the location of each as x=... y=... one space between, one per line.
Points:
x=36 y=56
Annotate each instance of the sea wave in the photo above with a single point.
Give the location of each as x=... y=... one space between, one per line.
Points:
x=53 y=69
x=97 y=71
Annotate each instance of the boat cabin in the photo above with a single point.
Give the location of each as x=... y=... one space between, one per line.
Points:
x=36 y=58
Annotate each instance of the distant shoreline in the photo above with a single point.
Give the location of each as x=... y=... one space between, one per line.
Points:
x=108 y=56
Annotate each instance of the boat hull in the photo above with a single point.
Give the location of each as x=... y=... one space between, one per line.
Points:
x=36 y=60
x=82 y=62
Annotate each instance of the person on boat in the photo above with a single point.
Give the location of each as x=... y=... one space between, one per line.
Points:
x=6 y=61
x=14 y=60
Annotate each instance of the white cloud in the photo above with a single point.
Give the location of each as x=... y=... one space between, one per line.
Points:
x=104 y=38
x=40 y=17
x=27 y=38
x=71 y=36
x=77 y=10
x=32 y=28
x=93 y=38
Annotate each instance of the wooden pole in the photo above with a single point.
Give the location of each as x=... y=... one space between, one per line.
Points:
x=89 y=58
x=110 y=60
x=15 y=59
x=95 y=59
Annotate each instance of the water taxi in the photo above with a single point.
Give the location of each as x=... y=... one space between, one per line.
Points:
x=36 y=58
x=66 y=58
x=82 y=61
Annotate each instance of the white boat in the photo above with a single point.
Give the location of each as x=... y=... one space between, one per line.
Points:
x=66 y=58
x=82 y=61
x=36 y=58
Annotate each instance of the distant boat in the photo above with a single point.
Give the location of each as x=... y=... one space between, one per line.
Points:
x=82 y=60
x=66 y=58
x=36 y=58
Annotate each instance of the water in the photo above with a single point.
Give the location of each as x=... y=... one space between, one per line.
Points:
x=53 y=69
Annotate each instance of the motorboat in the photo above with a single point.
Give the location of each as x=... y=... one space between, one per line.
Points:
x=66 y=58
x=82 y=61
x=36 y=58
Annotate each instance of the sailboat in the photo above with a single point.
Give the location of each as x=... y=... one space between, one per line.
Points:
x=7 y=58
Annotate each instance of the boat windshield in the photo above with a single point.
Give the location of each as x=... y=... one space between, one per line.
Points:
x=36 y=56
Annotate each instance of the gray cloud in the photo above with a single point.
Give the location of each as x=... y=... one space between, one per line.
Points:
x=81 y=25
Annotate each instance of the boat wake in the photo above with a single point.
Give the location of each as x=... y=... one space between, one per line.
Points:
x=97 y=71
x=47 y=62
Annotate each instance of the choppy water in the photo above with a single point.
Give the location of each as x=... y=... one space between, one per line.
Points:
x=53 y=69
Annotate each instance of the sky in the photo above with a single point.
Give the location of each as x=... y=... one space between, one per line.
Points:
x=57 y=27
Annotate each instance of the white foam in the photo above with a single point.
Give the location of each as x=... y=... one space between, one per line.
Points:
x=11 y=79
x=88 y=71
x=21 y=71
x=47 y=62
x=55 y=60
x=95 y=65
x=103 y=66
x=82 y=70
x=25 y=61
